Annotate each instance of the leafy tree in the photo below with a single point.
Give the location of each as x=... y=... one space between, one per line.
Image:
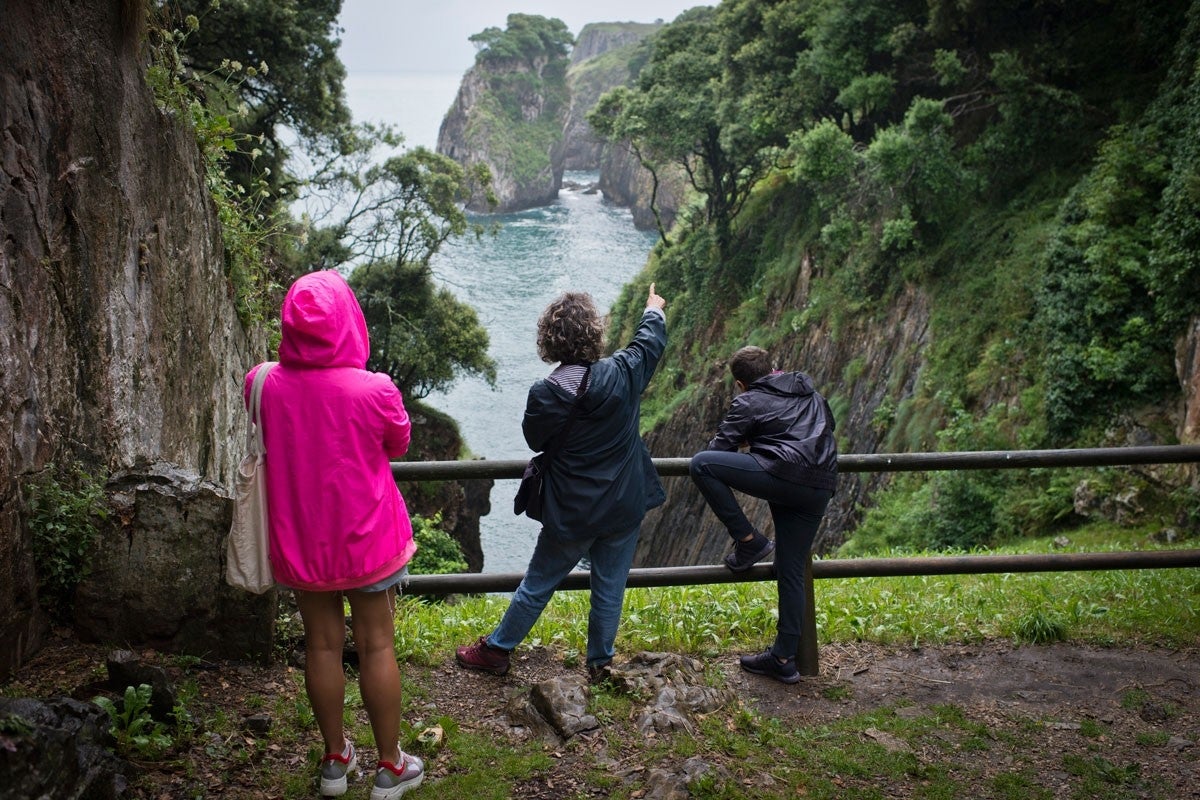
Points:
x=279 y=58
x=437 y=552
x=421 y=335
x=391 y=217
x=1118 y=278
x=609 y=120
x=400 y=209
x=673 y=116
x=527 y=37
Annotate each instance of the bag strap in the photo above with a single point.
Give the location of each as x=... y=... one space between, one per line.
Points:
x=254 y=434
x=557 y=442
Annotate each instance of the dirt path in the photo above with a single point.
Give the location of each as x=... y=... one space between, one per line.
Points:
x=1137 y=710
x=1045 y=680
x=1050 y=711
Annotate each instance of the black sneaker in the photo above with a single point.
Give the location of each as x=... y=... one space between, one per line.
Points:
x=767 y=664
x=746 y=554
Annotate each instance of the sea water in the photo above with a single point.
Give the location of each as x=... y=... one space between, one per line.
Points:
x=578 y=243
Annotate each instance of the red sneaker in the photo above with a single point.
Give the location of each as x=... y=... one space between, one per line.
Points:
x=483 y=656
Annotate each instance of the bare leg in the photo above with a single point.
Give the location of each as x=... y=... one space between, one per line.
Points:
x=324 y=678
x=379 y=676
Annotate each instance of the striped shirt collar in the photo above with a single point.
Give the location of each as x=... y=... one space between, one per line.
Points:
x=569 y=376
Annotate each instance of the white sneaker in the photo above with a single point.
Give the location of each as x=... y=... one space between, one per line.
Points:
x=335 y=767
x=392 y=781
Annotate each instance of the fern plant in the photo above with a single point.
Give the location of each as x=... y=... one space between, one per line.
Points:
x=137 y=733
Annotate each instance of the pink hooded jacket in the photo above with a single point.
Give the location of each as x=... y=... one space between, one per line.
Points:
x=337 y=519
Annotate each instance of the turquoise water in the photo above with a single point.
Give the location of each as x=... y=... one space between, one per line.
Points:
x=581 y=243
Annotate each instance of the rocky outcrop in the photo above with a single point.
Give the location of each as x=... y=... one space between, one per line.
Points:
x=436 y=437
x=624 y=181
x=509 y=116
x=671 y=690
x=58 y=748
x=597 y=38
x=528 y=129
x=157 y=574
x=119 y=341
x=599 y=62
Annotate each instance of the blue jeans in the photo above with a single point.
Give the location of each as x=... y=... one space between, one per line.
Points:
x=796 y=511
x=610 y=556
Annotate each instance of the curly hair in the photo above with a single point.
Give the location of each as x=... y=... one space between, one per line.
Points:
x=570 y=330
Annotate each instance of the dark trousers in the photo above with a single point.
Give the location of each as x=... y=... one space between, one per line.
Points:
x=796 y=512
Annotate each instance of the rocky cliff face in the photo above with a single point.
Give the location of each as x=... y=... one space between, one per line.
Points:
x=890 y=349
x=118 y=338
x=518 y=138
x=888 y=354
x=120 y=346
x=597 y=38
x=590 y=76
x=627 y=183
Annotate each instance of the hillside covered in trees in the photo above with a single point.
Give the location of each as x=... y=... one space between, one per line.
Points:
x=976 y=225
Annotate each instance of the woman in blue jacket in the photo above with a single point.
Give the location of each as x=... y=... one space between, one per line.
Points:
x=600 y=483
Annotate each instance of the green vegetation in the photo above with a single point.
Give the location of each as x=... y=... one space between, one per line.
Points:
x=526 y=37
x=249 y=217
x=1029 y=173
x=1142 y=607
x=675 y=115
x=437 y=553
x=860 y=754
x=485 y=767
x=773 y=746
x=137 y=733
x=64 y=507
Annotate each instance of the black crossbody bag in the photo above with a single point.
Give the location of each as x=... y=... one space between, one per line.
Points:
x=529 y=494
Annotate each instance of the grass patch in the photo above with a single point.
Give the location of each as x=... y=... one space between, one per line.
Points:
x=1152 y=738
x=1144 y=607
x=1101 y=779
x=484 y=766
x=940 y=752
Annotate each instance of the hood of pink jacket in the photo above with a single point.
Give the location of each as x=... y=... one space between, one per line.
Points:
x=323 y=324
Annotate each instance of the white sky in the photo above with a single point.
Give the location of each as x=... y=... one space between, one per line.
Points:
x=431 y=35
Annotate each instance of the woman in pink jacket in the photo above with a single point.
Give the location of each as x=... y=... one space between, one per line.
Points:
x=338 y=525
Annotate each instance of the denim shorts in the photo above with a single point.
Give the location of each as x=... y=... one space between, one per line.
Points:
x=396 y=579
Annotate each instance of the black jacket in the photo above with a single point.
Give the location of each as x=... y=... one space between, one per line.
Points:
x=602 y=480
x=788 y=427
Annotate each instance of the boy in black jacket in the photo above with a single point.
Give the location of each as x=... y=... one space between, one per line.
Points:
x=775 y=442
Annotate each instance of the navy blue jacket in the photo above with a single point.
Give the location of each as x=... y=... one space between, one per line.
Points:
x=788 y=427
x=602 y=480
